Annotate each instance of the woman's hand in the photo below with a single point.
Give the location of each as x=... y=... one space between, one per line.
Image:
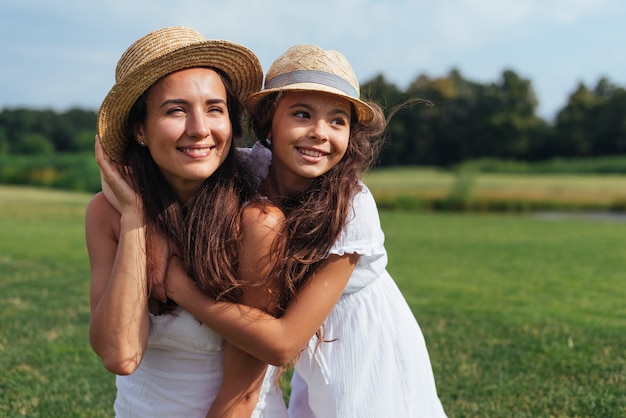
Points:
x=115 y=187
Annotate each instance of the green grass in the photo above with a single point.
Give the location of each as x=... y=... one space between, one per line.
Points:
x=48 y=368
x=523 y=316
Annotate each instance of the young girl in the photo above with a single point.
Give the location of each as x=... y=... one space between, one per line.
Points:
x=169 y=121
x=368 y=357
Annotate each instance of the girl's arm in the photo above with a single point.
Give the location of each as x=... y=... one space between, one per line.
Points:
x=273 y=340
x=243 y=373
x=241 y=385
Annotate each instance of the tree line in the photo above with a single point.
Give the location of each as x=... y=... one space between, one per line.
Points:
x=458 y=120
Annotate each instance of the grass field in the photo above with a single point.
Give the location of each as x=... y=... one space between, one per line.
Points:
x=561 y=191
x=48 y=368
x=524 y=316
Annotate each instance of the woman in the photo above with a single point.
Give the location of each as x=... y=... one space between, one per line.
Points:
x=368 y=357
x=169 y=123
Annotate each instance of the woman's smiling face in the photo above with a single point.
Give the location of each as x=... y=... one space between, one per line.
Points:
x=187 y=127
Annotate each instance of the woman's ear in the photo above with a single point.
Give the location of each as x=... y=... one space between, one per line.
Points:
x=139 y=135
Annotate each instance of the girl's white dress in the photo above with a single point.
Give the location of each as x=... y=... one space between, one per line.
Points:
x=377 y=364
x=181 y=372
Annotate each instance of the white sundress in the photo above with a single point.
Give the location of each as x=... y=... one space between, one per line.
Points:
x=378 y=364
x=181 y=373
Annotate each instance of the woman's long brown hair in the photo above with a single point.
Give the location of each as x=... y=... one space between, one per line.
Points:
x=206 y=229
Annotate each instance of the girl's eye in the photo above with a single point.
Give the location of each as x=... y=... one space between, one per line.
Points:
x=339 y=121
x=301 y=114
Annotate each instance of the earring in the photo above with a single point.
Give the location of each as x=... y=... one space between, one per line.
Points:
x=143 y=144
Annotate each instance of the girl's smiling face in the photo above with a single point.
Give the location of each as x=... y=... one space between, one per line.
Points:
x=310 y=133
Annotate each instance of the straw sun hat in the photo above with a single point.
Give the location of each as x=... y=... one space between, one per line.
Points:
x=310 y=68
x=160 y=53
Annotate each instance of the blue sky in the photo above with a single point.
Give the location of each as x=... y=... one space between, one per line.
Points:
x=59 y=54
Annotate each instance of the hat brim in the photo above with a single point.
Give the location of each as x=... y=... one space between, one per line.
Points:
x=364 y=112
x=239 y=63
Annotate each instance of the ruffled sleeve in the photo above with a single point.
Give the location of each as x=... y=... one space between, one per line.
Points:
x=362 y=233
x=257 y=159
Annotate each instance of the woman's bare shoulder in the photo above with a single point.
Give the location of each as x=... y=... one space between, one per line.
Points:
x=100 y=213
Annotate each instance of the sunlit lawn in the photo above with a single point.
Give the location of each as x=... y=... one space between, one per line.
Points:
x=524 y=316
x=593 y=189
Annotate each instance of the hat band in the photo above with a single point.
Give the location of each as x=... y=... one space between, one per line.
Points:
x=310 y=76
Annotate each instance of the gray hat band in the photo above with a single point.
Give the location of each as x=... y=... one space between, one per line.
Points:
x=310 y=76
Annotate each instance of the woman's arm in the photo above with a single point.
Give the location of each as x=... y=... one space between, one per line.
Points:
x=119 y=304
x=119 y=308
x=273 y=340
x=114 y=185
x=243 y=373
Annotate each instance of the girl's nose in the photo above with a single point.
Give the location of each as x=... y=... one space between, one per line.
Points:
x=319 y=131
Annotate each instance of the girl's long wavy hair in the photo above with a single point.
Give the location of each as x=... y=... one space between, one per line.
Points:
x=315 y=218
x=206 y=229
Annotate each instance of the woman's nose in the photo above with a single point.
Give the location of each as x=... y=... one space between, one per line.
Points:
x=198 y=125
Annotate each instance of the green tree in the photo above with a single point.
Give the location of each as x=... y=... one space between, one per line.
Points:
x=82 y=124
x=510 y=122
x=34 y=144
x=608 y=120
x=572 y=137
x=593 y=122
x=388 y=96
x=4 y=142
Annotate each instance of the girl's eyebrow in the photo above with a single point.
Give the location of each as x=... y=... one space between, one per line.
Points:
x=310 y=108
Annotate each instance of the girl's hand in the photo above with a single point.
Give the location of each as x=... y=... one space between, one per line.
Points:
x=115 y=187
x=162 y=251
x=178 y=285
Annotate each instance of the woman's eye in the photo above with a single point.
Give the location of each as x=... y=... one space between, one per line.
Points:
x=216 y=109
x=339 y=121
x=175 y=110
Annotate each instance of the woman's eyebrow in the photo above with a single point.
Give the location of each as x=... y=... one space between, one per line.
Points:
x=184 y=102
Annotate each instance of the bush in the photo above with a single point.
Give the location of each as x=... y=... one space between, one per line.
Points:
x=77 y=172
x=597 y=165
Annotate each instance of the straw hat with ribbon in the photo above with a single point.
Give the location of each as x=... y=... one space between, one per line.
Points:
x=160 y=53
x=310 y=68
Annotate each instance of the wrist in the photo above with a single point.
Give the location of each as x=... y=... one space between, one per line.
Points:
x=132 y=219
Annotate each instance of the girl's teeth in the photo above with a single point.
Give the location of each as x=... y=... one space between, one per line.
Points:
x=311 y=153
